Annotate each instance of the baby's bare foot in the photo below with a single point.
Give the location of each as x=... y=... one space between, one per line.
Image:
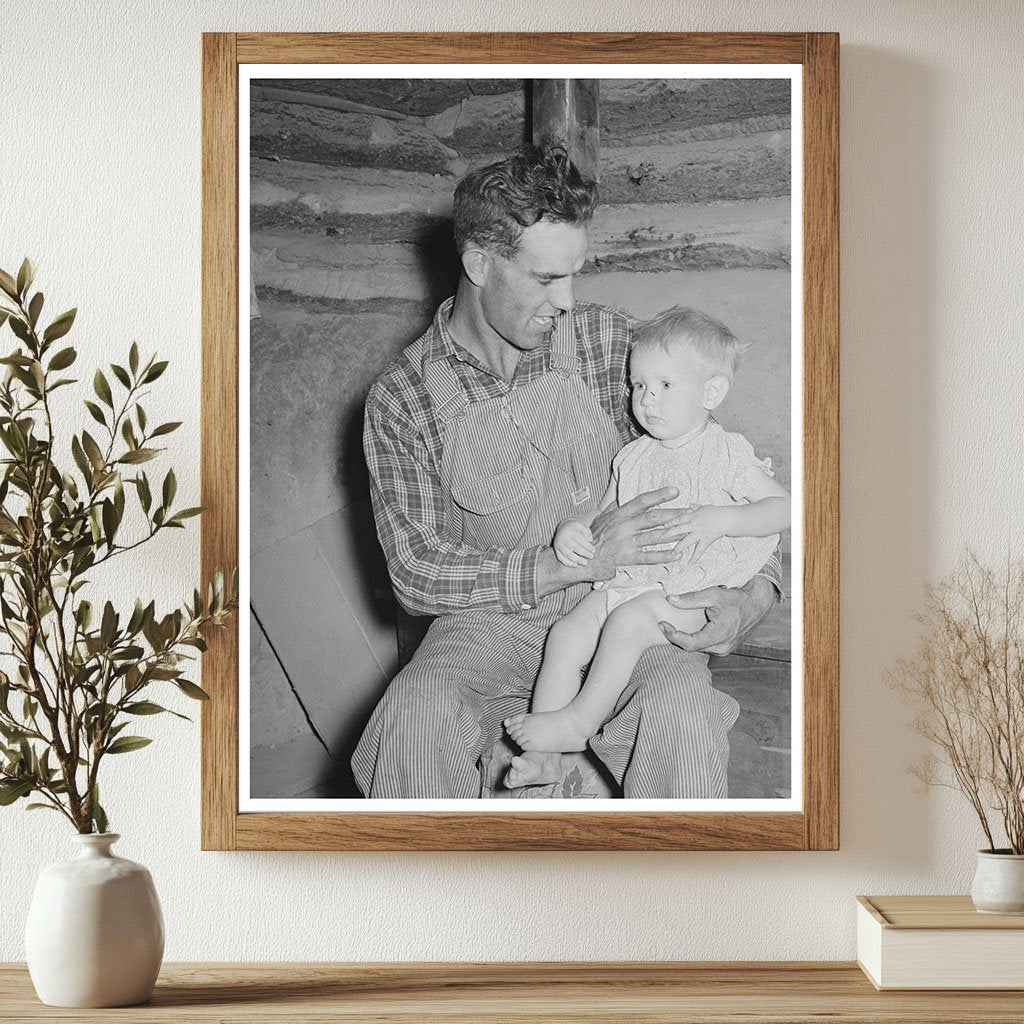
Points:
x=534 y=768
x=562 y=730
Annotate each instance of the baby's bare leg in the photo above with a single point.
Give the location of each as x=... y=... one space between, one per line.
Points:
x=628 y=632
x=570 y=646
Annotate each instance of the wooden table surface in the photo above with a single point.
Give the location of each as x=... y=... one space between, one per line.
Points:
x=660 y=993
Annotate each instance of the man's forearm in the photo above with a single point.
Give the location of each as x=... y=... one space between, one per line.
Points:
x=552 y=575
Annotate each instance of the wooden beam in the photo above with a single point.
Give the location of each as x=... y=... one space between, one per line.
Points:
x=566 y=112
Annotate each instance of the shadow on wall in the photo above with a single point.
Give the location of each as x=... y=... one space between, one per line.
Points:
x=890 y=267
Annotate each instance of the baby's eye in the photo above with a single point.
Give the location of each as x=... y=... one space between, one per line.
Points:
x=666 y=384
x=636 y=385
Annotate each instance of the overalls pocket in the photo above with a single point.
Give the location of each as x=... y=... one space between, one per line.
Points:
x=496 y=509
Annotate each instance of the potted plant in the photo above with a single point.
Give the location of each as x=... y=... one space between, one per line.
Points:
x=77 y=671
x=967 y=680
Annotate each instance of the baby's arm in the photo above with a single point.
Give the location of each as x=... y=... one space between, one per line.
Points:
x=574 y=543
x=768 y=512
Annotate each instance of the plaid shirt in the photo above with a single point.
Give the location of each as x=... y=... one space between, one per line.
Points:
x=431 y=573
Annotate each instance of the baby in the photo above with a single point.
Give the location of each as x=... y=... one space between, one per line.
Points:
x=680 y=367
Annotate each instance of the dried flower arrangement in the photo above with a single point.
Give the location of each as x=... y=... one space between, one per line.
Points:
x=967 y=679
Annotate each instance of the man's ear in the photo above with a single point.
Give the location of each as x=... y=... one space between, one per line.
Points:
x=715 y=390
x=476 y=263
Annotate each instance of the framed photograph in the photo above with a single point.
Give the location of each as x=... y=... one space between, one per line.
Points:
x=457 y=287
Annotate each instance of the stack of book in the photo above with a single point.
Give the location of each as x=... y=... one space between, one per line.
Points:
x=906 y=942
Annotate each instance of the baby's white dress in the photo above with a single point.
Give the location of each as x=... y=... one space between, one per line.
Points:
x=710 y=469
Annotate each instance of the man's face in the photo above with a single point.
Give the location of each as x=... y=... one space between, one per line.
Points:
x=669 y=391
x=521 y=296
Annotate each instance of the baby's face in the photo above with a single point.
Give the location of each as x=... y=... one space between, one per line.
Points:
x=668 y=391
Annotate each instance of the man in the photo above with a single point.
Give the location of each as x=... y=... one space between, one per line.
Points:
x=498 y=423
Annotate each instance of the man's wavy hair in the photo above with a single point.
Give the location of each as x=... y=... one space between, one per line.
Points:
x=493 y=204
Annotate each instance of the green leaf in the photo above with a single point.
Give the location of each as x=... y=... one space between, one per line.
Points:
x=11 y=791
x=42 y=807
x=121 y=374
x=119 y=499
x=145 y=498
x=133 y=358
x=125 y=744
x=154 y=371
x=63 y=359
x=20 y=329
x=83 y=613
x=185 y=513
x=165 y=428
x=102 y=388
x=144 y=707
x=80 y=459
x=129 y=653
x=139 y=455
x=108 y=627
x=7 y=283
x=4 y=314
x=170 y=488
x=135 y=622
x=128 y=433
x=109 y=521
x=96 y=412
x=140 y=415
x=191 y=690
x=92 y=449
x=60 y=326
x=99 y=817
x=26 y=273
x=34 y=308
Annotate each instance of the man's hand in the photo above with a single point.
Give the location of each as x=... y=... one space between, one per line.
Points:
x=573 y=544
x=731 y=615
x=621 y=533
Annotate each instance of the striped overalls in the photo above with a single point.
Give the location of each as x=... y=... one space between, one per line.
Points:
x=513 y=467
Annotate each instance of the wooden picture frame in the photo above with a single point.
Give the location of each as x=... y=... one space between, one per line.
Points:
x=816 y=825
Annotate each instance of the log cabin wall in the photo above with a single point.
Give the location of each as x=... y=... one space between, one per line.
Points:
x=351 y=186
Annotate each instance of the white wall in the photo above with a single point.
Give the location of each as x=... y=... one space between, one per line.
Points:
x=99 y=166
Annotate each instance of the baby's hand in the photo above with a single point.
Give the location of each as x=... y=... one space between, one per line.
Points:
x=574 y=543
x=704 y=524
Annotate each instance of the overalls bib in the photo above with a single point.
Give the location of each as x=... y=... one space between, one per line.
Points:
x=518 y=464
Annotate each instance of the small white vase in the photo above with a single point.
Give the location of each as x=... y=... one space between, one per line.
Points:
x=95 y=934
x=999 y=882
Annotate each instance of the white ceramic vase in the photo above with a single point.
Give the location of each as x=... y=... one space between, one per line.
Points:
x=999 y=882
x=95 y=934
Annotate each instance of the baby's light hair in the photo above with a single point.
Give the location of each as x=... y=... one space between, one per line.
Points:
x=709 y=339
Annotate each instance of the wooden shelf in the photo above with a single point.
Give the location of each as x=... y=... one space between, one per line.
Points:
x=658 y=993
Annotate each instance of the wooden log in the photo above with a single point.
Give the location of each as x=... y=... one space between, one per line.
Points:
x=751 y=167
x=632 y=107
x=421 y=97
x=336 y=138
x=758 y=224
x=326 y=268
x=491 y=126
x=707 y=132
x=566 y=112
x=314 y=99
